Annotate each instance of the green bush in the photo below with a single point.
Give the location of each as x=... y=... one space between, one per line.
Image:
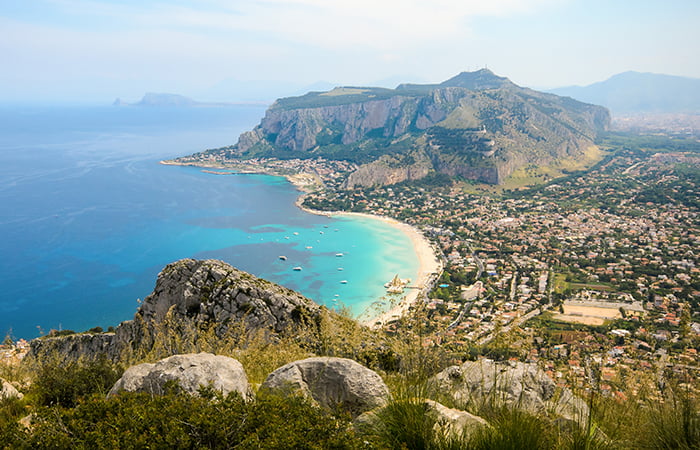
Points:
x=63 y=383
x=139 y=420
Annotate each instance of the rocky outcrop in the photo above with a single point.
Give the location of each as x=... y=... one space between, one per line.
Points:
x=493 y=128
x=75 y=346
x=388 y=170
x=190 y=372
x=189 y=296
x=213 y=292
x=331 y=383
x=510 y=383
x=8 y=391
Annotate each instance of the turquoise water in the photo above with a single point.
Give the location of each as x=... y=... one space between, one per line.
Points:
x=89 y=218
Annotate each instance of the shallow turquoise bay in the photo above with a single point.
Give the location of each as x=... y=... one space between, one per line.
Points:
x=90 y=218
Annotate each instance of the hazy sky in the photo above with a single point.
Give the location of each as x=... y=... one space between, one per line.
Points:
x=101 y=49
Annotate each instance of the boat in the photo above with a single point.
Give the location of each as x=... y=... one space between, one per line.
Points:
x=283 y=258
x=309 y=247
x=344 y=282
x=340 y=268
x=338 y=255
x=297 y=268
x=296 y=233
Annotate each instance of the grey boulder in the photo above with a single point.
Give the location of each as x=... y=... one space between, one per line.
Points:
x=510 y=383
x=331 y=383
x=8 y=391
x=190 y=372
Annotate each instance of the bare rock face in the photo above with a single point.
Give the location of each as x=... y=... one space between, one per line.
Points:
x=8 y=391
x=190 y=371
x=331 y=382
x=511 y=383
x=213 y=291
x=74 y=346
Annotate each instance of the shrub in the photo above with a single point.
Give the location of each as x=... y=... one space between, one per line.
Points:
x=138 y=420
x=64 y=382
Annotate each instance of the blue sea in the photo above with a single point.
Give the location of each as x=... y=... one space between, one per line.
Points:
x=89 y=217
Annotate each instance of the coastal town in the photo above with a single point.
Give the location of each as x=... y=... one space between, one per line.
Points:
x=592 y=275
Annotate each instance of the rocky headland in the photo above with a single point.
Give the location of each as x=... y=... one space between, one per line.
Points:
x=476 y=125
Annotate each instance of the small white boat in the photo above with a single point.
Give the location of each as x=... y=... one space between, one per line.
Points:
x=297 y=268
x=296 y=233
x=344 y=282
x=309 y=247
x=283 y=258
x=340 y=268
x=338 y=255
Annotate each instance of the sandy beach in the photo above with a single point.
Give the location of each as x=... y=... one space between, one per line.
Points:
x=428 y=263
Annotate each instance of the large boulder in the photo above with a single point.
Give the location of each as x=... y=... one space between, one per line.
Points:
x=510 y=383
x=8 y=391
x=454 y=420
x=331 y=383
x=190 y=371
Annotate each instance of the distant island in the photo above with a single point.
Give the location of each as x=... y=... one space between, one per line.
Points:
x=169 y=100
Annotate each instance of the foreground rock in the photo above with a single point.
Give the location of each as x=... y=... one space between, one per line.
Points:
x=190 y=371
x=454 y=420
x=510 y=383
x=8 y=391
x=332 y=383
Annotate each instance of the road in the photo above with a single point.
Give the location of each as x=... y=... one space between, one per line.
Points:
x=516 y=322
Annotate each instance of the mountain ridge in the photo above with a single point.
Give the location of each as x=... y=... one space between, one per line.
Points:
x=640 y=92
x=476 y=125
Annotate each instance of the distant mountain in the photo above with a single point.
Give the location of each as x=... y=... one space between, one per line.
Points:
x=635 y=92
x=166 y=100
x=476 y=125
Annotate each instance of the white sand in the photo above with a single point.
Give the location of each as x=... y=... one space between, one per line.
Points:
x=428 y=264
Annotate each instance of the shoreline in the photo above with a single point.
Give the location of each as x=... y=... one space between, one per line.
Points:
x=429 y=268
x=429 y=265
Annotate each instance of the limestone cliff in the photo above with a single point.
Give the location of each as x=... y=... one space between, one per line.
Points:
x=476 y=125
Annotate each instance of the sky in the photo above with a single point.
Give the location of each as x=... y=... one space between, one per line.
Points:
x=97 y=50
